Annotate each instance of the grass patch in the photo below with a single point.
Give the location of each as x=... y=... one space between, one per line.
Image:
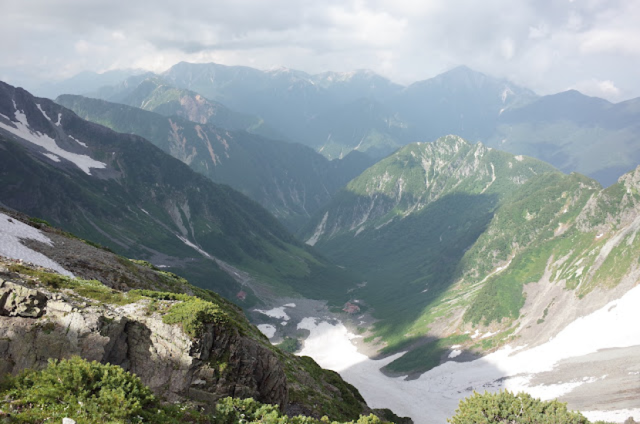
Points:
x=289 y=344
x=91 y=289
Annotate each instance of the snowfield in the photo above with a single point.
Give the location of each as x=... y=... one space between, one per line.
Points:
x=268 y=330
x=22 y=130
x=278 y=312
x=434 y=396
x=12 y=231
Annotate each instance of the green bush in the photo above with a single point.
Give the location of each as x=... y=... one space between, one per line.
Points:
x=506 y=407
x=86 y=391
x=193 y=315
x=247 y=411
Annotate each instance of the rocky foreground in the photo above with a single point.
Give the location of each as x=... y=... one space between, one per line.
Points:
x=185 y=343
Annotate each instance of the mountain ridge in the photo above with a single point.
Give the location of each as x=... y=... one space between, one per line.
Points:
x=141 y=202
x=290 y=180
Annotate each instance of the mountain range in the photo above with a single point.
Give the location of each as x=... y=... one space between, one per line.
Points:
x=335 y=113
x=290 y=180
x=121 y=191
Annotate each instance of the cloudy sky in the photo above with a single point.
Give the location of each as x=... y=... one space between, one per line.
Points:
x=546 y=45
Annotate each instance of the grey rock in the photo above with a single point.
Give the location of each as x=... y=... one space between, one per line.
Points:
x=221 y=363
x=17 y=300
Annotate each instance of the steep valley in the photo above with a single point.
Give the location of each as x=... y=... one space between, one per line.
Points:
x=122 y=192
x=288 y=179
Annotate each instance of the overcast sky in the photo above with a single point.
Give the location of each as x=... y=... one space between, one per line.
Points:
x=545 y=45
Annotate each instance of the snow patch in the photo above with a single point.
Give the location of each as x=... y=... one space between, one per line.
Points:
x=454 y=353
x=489 y=334
x=78 y=141
x=268 y=330
x=330 y=345
x=12 y=231
x=612 y=416
x=52 y=157
x=319 y=230
x=43 y=112
x=22 y=130
x=193 y=246
x=278 y=312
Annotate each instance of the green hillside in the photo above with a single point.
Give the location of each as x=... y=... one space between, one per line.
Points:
x=447 y=234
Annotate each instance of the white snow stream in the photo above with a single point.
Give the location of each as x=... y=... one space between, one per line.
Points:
x=434 y=396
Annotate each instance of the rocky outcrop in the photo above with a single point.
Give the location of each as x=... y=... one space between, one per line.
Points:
x=16 y=300
x=39 y=324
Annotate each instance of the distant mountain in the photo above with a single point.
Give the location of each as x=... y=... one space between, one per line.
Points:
x=85 y=82
x=448 y=234
x=346 y=87
x=460 y=101
x=156 y=95
x=302 y=106
x=123 y=192
x=335 y=113
x=574 y=132
x=291 y=180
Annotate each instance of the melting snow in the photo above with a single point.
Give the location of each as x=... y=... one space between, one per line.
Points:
x=12 y=231
x=193 y=246
x=441 y=388
x=319 y=231
x=455 y=353
x=52 y=157
x=278 y=312
x=330 y=345
x=78 y=141
x=43 y=112
x=22 y=130
x=267 y=329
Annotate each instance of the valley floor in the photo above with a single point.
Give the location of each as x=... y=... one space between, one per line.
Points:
x=591 y=364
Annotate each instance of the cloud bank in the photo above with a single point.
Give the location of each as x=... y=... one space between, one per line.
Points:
x=546 y=45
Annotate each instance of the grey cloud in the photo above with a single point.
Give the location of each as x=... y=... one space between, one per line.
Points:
x=547 y=45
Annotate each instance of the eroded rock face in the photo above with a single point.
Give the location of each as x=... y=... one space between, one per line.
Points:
x=38 y=325
x=16 y=300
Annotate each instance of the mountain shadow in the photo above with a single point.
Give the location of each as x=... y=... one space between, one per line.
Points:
x=410 y=262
